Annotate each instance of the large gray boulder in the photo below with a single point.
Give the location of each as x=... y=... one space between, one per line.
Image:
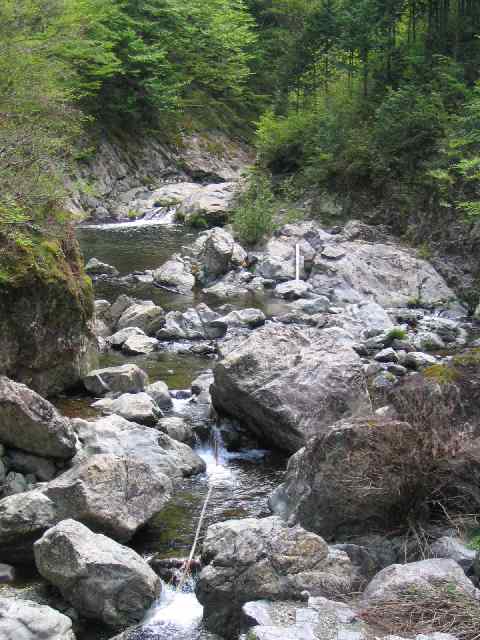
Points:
x=217 y=253
x=253 y=559
x=102 y=579
x=126 y=378
x=111 y=494
x=137 y=407
x=287 y=385
x=26 y=620
x=116 y=435
x=176 y=273
x=30 y=423
x=356 y=477
x=421 y=576
x=145 y=315
x=388 y=274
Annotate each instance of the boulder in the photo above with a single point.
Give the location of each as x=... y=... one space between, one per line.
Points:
x=95 y=267
x=176 y=273
x=111 y=494
x=159 y=392
x=121 y=304
x=250 y=318
x=286 y=384
x=136 y=407
x=363 y=321
x=208 y=205
x=390 y=275
x=30 y=423
x=116 y=435
x=139 y=345
x=319 y=619
x=127 y=378
x=419 y=360
x=7 y=573
x=146 y=316
x=117 y=340
x=292 y=289
x=177 y=429
x=454 y=549
x=421 y=576
x=354 y=478
x=255 y=559
x=312 y=306
x=14 y=483
x=26 y=620
x=101 y=578
x=42 y=468
x=217 y=253
x=278 y=260
x=200 y=323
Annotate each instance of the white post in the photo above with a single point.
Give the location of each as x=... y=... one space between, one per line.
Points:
x=297 y=262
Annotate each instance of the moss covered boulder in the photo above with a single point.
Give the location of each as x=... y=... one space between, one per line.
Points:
x=46 y=309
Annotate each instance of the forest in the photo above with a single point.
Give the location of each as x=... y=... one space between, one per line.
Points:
x=378 y=97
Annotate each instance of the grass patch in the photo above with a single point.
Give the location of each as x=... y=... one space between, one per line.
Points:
x=397 y=333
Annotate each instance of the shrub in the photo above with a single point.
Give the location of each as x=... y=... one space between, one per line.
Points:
x=253 y=214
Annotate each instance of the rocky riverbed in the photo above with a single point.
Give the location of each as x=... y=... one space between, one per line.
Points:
x=216 y=363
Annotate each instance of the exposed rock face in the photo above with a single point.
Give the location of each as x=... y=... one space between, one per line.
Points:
x=102 y=579
x=113 y=495
x=121 y=168
x=383 y=273
x=287 y=385
x=177 y=274
x=127 y=378
x=421 y=576
x=46 y=323
x=30 y=423
x=217 y=253
x=345 y=481
x=254 y=559
x=116 y=435
x=25 y=620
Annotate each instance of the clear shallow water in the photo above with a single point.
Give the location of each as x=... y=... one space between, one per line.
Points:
x=241 y=482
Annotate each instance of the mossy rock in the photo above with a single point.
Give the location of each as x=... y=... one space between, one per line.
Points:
x=47 y=308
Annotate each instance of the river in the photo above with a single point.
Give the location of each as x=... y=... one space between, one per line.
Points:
x=240 y=481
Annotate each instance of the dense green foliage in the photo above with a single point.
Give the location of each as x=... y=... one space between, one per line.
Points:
x=349 y=95
x=123 y=63
x=376 y=95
